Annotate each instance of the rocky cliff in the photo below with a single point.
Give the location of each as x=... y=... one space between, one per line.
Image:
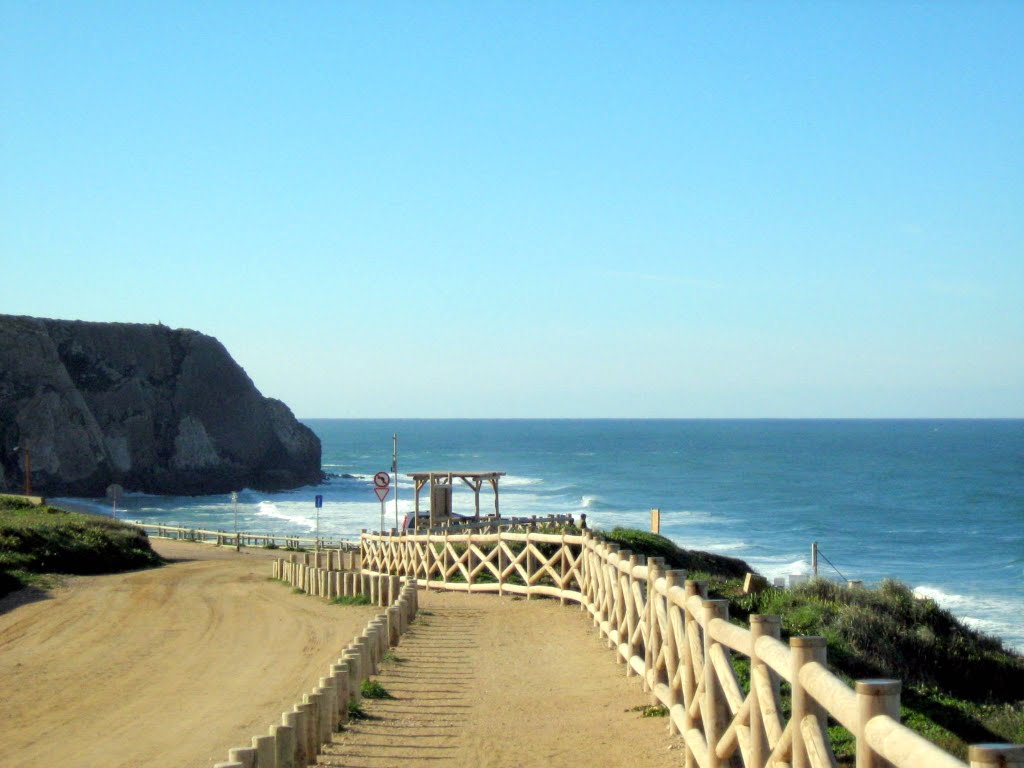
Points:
x=154 y=409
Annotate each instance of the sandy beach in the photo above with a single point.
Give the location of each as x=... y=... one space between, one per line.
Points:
x=175 y=665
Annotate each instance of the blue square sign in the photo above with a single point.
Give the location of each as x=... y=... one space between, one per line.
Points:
x=319 y=501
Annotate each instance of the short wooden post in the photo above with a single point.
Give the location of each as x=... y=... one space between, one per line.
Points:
x=996 y=755
x=760 y=626
x=354 y=661
x=340 y=672
x=803 y=650
x=284 y=745
x=394 y=625
x=310 y=707
x=264 y=746
x=874 y=697
x=243 y=756
x=714 y=701
x=328 y=708
x=655 y=520
x=297 y=722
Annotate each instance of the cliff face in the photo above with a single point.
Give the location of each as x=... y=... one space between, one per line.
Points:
x=154 y=409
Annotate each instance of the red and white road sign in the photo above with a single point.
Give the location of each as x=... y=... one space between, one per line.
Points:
x=382 y=480
x=382 y=492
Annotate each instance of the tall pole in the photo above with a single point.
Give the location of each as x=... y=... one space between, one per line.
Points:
x=28 y=471
x=394 y=471
x=234 y=503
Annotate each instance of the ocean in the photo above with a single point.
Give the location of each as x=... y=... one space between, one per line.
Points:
x=937 y=504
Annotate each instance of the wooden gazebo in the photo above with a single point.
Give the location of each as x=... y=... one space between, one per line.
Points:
x=441 y=493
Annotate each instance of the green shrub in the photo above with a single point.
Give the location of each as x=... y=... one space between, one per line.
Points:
x=50 y=540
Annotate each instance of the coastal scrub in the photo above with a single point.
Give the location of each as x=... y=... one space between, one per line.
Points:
x=35 y=541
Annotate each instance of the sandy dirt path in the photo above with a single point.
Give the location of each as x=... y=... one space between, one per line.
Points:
x=166 y=667
x=508 y=683
x=174 y=665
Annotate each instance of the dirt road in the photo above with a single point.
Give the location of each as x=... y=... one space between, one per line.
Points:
x=175 y=665
x=506 y=683
x=170 y=666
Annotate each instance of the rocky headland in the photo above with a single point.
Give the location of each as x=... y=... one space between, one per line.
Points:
x=154 y=409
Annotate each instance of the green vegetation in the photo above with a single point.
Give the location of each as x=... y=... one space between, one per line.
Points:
x=356 y=712
x=392 y=656
x=653 y=545
x=371 y=689
x=651 y=710
x=36 y=541
x=960 y=687
x=350 y=600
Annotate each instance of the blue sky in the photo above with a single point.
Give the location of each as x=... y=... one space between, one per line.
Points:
x=535 y=209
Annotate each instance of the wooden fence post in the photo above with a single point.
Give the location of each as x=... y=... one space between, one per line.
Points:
x=655 y=567
x=996 y=755
x=690 y=682
x=874 y=697
x=713 y=707
x=763 y=682
x=803 y=650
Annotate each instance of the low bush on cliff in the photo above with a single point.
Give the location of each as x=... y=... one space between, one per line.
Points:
x=40 y=540
x=653 y=545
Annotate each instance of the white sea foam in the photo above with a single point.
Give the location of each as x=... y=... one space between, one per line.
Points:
x=272 y=510
x=942 y=598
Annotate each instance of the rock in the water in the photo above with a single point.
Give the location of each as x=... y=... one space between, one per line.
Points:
x=151 y=408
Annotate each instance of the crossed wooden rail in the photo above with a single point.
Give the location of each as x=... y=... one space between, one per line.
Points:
x=681 y=645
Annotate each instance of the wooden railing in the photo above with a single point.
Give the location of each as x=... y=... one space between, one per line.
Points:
x=681 y=645
x=496 y=524
x=229 y=538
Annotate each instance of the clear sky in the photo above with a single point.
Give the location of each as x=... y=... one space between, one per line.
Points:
x=542 y=209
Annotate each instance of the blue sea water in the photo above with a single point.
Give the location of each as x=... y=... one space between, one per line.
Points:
x=936 y=504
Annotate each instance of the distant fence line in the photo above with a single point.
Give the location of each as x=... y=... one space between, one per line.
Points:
x=680 y=644
x=245 y=539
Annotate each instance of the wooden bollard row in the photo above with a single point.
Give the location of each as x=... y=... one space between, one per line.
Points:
x=303 y=731
x=328 y=559
x=328 y=583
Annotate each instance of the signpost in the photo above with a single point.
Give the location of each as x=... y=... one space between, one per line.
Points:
x=382 y=487
x=234 y=503
x=319 y=501
x=114 y=493
x=394 y=470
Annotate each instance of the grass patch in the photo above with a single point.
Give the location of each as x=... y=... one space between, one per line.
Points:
x=653 y=545
x=371 y=689
x=356 y=712
x=350 y=600
x=650 y=710
x=47 y=540
x=391 y=656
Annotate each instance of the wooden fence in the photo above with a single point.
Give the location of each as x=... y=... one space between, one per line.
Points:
x=229 y=538
x=681 y=645
x=303 y=731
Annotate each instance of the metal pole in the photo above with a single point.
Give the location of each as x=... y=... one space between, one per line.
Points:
x=814 y=558
x=394 y=471
x=234 y=502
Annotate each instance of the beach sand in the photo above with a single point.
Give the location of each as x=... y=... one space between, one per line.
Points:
x=175 y=665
